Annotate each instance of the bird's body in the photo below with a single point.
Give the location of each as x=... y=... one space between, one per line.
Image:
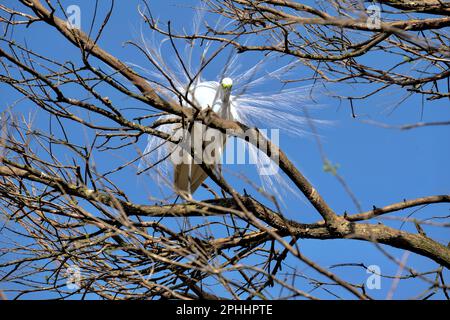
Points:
x=188 y=173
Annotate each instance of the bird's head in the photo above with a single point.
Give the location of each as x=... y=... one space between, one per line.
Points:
x=227 y=83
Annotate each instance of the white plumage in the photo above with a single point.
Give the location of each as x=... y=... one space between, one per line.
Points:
x=235 y=96
x=188 y=174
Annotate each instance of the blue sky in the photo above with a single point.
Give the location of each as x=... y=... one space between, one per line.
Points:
x=380 y=165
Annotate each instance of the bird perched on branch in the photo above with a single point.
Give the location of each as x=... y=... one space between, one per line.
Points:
x=188 y=174
x=236 y=95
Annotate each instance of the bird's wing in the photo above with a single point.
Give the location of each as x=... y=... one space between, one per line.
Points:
x=189 y=175
x=155 y=160
x=283 y=110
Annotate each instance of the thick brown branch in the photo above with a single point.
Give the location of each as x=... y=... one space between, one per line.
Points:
x=399 y=206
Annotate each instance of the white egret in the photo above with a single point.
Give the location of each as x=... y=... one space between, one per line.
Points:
x=276 y=110
x=188 y=175
x=182 y=81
